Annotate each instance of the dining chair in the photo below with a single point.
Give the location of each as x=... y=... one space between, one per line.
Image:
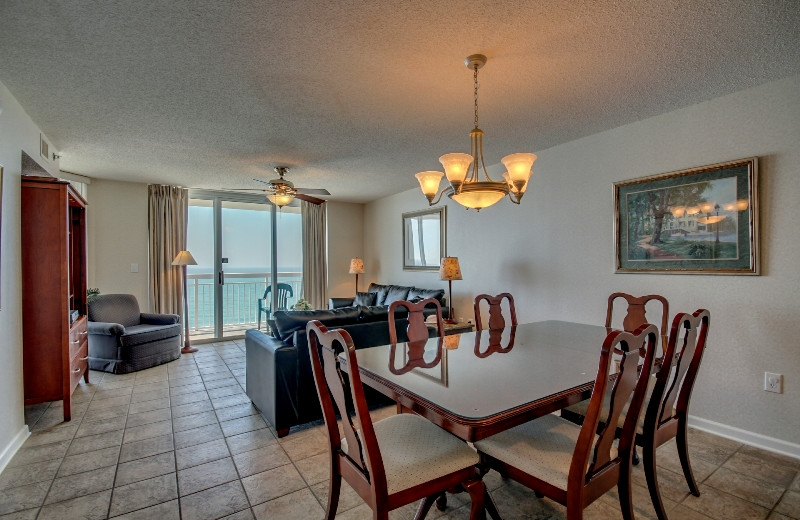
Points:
x=496 y=319
x=574 y=465
x=392 y=462
x=635 y=315
x=285 y=292
x=668 y=395
x=417 y=329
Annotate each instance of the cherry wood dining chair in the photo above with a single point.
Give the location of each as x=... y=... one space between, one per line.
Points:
x=574 y=465
x=417 y=329
x=496 y=319
x=668 y=396
x=636 y=313
x=390 y=463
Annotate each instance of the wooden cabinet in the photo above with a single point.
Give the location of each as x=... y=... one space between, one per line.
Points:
x=54 y=324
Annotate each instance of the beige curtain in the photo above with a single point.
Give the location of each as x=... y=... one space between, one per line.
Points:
x=315 y=270
x=167 y=217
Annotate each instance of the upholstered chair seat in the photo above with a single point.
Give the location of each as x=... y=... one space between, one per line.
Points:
x=416 y=451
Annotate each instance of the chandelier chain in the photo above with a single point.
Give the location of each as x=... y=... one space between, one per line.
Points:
x=475 y=79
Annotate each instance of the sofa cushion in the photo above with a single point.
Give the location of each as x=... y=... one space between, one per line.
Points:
x=396 y=293
x=287 y=322
x=380 y=291
x=140 y=334
x=416 y=294
x=365 y=298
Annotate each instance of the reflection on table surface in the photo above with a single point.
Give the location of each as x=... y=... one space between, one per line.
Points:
x=482 y=373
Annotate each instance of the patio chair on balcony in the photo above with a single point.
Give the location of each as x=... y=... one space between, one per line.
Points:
x=264 y=304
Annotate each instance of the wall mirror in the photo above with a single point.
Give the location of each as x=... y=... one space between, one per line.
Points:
x=424 y=239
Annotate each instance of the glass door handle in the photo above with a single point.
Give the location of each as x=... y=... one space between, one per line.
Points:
x=221 y=278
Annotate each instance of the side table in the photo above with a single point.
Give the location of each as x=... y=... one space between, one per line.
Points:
x=458 y=328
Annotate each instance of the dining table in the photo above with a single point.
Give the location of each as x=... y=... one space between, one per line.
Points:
x=480 y=383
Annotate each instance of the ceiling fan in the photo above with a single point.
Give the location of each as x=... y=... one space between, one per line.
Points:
x=281 y=192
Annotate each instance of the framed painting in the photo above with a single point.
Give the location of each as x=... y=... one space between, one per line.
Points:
x=698 y=221
x=424 y=239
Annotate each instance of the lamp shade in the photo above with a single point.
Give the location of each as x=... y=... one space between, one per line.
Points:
x=357 y=266
x=184 y=258
x=429 y=182
x=449 y=269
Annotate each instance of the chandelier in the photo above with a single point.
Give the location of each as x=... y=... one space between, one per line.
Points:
x=472 y=192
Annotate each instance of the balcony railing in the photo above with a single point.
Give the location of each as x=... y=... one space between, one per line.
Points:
x=240 y=295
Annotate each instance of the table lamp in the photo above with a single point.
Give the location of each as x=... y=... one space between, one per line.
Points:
x=357 y=268
x=183 y=259
x=450 y=270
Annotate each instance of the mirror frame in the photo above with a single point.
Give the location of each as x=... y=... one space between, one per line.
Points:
x=442 y=215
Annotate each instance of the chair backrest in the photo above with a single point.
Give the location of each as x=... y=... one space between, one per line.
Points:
x=592 y=459
x=676 y=377
x=115 y=308
x=417 y=330
x=635 y=316
x=496 y=319
x=360 y=464
x=285 y=292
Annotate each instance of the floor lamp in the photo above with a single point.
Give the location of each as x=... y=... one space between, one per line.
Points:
x=450 y=270
x=357 y=268
x=183 y=259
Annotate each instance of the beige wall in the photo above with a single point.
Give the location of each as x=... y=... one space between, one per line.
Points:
x=345 y=241
x=555 y=251
x=117 y=228
x=17 y=133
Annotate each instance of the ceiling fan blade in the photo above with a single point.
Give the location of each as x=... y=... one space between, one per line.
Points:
x=308 y=198
x=313 y=191
x=268 y=183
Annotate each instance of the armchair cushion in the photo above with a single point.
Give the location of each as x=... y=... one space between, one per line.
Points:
x=365 y=298
x=159 y=319
x=115 y=308
x=145 y=333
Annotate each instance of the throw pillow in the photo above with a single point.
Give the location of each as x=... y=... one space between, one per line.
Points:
x=365 y=298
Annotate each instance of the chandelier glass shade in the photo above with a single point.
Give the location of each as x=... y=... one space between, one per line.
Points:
x=466 y=184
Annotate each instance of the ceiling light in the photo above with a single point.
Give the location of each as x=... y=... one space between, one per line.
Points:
x=470 y=191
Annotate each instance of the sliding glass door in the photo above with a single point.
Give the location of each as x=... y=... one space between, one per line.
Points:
x=243 y=247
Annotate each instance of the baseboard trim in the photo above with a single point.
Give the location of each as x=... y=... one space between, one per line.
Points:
x=12 y=448
x=789 y=449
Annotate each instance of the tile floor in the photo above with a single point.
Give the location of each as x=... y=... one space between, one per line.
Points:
x=183 y=441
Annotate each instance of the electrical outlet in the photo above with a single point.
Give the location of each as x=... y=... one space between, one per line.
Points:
x=773 y=382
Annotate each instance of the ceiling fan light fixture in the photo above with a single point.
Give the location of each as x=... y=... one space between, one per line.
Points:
x=280 y=199
x=463 y=170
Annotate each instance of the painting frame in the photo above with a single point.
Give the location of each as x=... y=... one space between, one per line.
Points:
x=701 y=220
x=412 y=249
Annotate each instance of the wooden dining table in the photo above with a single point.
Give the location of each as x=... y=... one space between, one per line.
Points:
x=485 y=382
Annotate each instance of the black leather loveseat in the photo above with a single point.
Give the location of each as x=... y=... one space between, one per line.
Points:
x=279 y=378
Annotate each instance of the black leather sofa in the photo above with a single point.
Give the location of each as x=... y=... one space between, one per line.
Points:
x=279 y=378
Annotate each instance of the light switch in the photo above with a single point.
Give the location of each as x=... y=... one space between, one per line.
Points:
x=134 y=268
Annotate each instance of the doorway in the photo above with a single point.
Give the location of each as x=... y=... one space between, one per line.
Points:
x=242 y=245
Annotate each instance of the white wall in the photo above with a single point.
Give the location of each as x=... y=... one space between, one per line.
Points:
x=117 y=235
x=345 y=241
x=555 y=251
x=17 y=133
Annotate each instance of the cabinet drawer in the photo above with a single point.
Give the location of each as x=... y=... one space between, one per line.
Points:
x=78 y=337
x=78 y=365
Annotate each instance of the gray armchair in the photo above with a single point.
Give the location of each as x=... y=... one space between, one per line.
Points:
x=122 y=339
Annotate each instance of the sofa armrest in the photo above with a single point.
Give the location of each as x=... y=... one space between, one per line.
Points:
x=105 y=328
x=151 y=318
x=335 y=303
x=271 y=378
